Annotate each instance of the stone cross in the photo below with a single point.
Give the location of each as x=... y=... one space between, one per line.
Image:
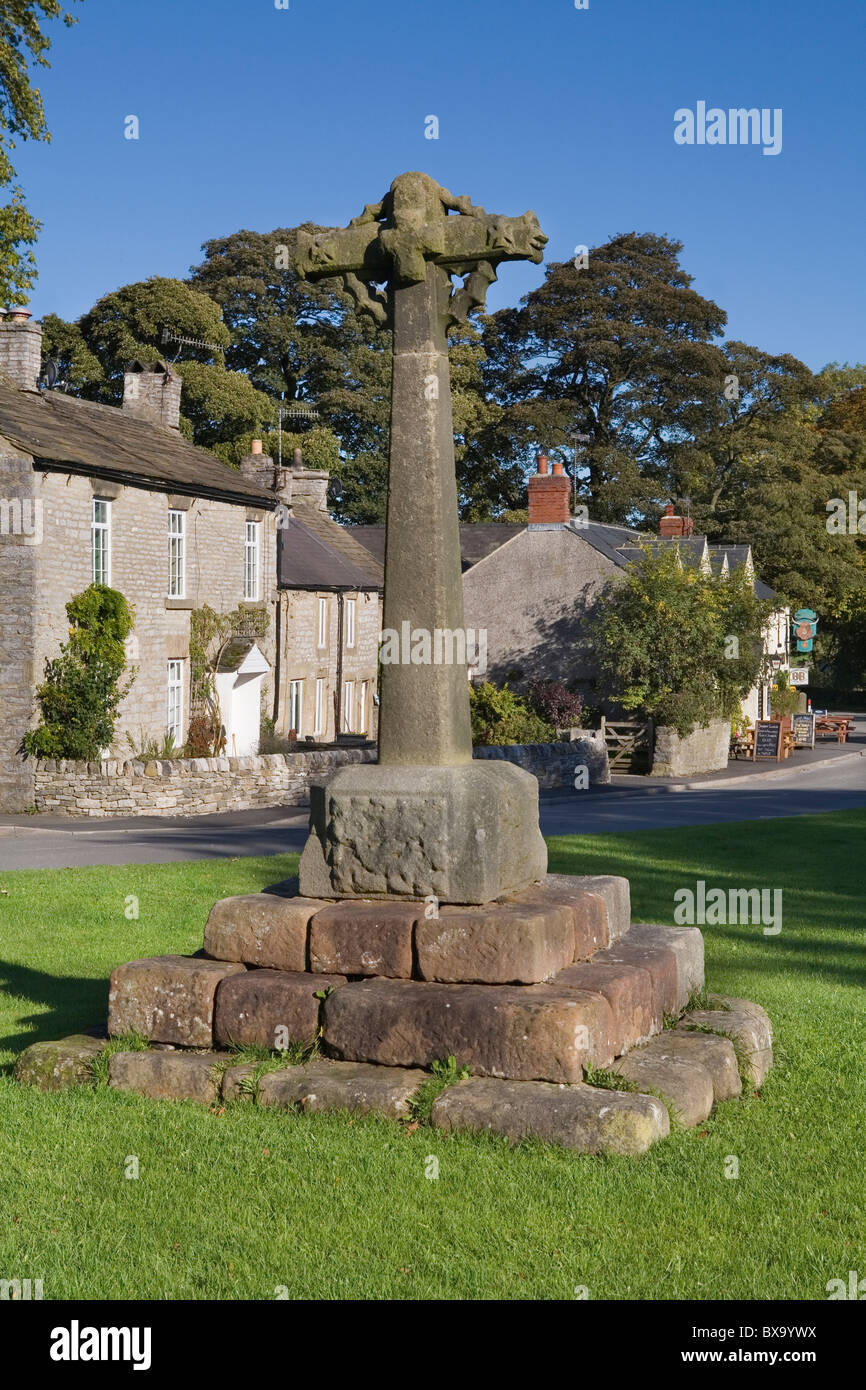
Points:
x=412 y=242
x=427 y=820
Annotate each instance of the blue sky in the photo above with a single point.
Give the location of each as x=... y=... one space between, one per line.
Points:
x=256 y=117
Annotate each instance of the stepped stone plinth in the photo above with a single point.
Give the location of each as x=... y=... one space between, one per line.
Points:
x=573 y=995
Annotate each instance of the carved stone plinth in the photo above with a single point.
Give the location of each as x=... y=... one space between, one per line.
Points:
x=464 y=834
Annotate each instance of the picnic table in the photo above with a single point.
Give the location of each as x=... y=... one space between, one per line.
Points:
x=836 y=726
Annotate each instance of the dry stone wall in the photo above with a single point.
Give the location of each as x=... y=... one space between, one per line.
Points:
x=184 y=787
x=204 y=786
x=555 y=764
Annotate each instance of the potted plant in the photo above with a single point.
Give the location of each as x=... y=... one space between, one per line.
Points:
x=784 y=700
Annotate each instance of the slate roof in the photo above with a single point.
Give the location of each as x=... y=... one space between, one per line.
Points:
x=763 y=590
x=313 y=553
x=372 y=538
x=341 y=540
x=69 y=435
x=478 y=539
x=619 y=544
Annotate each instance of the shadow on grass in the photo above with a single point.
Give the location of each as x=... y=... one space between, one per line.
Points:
x=74 y=1004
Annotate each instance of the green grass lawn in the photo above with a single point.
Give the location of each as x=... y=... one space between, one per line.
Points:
x=239 y=1204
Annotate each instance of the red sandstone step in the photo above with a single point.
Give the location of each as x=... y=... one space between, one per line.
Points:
x=364 y=938
x=521 y=1032
x=630 y=992
x=168 y=999
x=525 y=938
x=673 y=957
x=503 y=943
x=270 y=1008
x=600 y=905
x=261 y=929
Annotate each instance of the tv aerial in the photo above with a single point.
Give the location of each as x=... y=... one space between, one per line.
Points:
x=169 y=337
x=295 y=410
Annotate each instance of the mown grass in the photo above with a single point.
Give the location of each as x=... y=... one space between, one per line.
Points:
x=238 y=1204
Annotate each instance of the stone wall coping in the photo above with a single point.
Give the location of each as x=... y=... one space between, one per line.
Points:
x=190 y=767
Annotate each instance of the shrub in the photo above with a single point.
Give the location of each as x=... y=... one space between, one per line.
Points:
x=556 y=704
x=678 y=644
x=80 y=695
x=499 y=716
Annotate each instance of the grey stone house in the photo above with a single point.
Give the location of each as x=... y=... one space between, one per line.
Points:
x=533 y=585
x=92 y=493
x=329 y=590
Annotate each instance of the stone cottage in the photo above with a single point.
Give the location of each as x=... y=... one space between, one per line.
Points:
x=533 y=585
x=100 y=494
x=328 y=610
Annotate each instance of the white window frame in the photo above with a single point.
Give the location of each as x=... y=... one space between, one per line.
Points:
x=322 y=630
x=362 y=708
x=351 y=622
x=348 y=706
x=176 y=553
x=296 y=702
x=320 y=706
x=174 y=700
x=100 y=526
x=252 y=547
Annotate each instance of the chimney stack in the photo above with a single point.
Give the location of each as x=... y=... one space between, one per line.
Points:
x=151 y=391
x=672 y=525
x=549 y=496
x=20 y=348
x=260 y=468
x=309 y=484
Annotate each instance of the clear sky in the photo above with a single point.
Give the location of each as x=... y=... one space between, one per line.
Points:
x=253 y=116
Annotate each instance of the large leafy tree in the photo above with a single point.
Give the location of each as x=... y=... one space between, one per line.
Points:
x=764 y=475
x=22 y=117
x=221 y=410
x=619 y=352
x=305 y=346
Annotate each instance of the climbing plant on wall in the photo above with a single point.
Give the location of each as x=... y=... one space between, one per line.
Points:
x=84 y=685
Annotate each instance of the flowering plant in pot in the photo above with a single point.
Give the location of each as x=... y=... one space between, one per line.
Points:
x=784 y=700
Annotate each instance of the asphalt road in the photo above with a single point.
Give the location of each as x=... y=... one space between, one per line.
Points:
x=39 y=842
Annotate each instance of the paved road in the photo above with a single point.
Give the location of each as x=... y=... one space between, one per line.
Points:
x=50 y=843
x=835 y=786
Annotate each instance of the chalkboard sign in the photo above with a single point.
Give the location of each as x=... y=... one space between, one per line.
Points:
x=803 y=729
x=768 y=739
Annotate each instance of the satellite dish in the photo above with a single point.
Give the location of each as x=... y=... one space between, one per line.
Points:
x=50 y=374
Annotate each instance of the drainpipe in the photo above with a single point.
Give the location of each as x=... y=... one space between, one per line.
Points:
x=338 y=713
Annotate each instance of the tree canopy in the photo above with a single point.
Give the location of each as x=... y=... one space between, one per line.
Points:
x=615 y=357
x=221 y=410
x=22 y=117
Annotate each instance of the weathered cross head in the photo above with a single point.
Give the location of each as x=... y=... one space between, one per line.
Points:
x=418 y=222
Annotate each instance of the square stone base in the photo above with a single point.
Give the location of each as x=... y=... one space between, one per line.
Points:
x=466 y=834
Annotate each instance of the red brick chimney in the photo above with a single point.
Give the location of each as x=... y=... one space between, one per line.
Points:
x=549 y=495
x=673 y=525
